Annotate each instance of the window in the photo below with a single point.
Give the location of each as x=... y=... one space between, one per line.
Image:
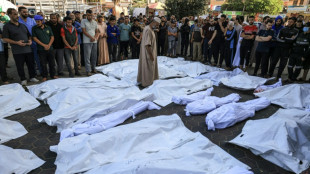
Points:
x=301 y=2
x=295 y=2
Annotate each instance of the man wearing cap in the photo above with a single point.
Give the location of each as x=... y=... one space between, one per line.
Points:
x=43 y=35
x=148 y=68
x=18 y=36
x=90 y=36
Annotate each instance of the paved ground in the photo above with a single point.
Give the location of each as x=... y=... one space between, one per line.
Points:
x=41 y=136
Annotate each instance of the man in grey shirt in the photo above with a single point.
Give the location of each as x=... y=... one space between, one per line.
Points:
x=18 y=36
x=90 y=36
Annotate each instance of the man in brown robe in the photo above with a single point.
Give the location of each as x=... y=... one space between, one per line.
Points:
x=148 y=68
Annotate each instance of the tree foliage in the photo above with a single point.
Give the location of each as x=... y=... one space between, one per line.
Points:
x=139 y=3
x=182 y=8
x=254 y=6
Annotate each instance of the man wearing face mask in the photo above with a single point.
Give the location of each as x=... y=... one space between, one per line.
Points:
x=285 y=40
x=299 y=26
x=300 y=52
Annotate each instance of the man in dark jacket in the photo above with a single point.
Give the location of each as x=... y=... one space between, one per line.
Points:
x=185 y=30
x=285 y=40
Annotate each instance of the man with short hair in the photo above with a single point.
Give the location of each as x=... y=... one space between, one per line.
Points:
x=77 y=16
x=208 y=33
x=70 y=37
x=197 y=41
x=18 y=36
x=43 y=35
x=77 y=26
x=218 y=42
x=124 y=38
x=90 y=37
x=162 y=35
x=29 y=22
x=58 y=44
x=113 y=33
x=136 y=33
x=248 y=35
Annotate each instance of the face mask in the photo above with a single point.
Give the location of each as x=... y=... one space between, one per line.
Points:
x=305 y=29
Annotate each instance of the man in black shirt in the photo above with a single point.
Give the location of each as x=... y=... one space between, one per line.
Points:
x=136 y=33
x=162 y=35
x=185 y=30
x=218 y=43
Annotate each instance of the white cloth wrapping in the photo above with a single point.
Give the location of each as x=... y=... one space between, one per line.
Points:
x=185 y=99
x=236 y=61
x=268 y=87
x=209 y=103
x=282 y=139
x=164 y=90
x=155 y=145
x=10 y=130
x=244 y=82
x=76 y=105
x=14 y=99
x=195 y=69
x=238 y=170
x=49 y=88
x=18 y=161
x=216 y=76
x=289 y=96
x=105 y=122
x=232 y=113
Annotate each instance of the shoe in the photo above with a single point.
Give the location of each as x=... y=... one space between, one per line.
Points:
x=78 y=73
x=24 y=83
x=44 y=79
x=254 y=74
x=55 y=77
x=6 y=82
x=88 y=74
x=71 y=75
x=94 y=71
x=34 y=80
x=60 y=74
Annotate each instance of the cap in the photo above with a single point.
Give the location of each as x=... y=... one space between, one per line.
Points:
x=157 y=19
x=38 y=17
x=77 y=12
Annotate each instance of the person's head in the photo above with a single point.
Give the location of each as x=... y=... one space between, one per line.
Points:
x=121 y=20
x=251 y=20
x=172 y=17
x=23 y=12
x=126 y=19
x=84 y=16
x=173 y=24
x=299 y=24
x=2 y=13
x=89 y=14
x=72 y=16
x=145 y=20
x=306 y=28
x=216 y=20
x=186 y=21
x=291 y=21
x=40 y=13
x=12 y=13
x=212 y=21
x=223 y=17
x=265 y=19
x=77 y=15
x=163 y=19
x=230 y=25
x=196 y=21
x=269 y=24
x=68 y=21
x=279 y=22
x=39 y=20
x=301 y=17
x=136 y=22
x=53 y=18
x=112 y=20
x=100 y=18
x=122 y=14
x=67 y=13
x=155 y=22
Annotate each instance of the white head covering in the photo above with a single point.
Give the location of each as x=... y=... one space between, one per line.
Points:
x=156 y=19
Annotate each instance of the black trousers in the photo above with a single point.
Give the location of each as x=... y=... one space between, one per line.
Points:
x=135 y=49
x=47 y=57
x=82 y=54
x=184 y=44
x=112 y=52
x=229 y=55
x=124 y=48
x=294 y=62
x=262 y=60
x=3 y=73
x=6 y=52
x=20 y=60
x=245 y=53
x=281 y=54
x=161 y=46
x=218 y=47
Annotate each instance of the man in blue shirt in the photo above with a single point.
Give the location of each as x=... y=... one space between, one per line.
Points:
x=113 y=33
x=29 y=22
x=79 y=30
x=124 y=37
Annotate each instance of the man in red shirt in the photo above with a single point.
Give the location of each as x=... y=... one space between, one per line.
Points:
x=248 y=35
x=70 y=37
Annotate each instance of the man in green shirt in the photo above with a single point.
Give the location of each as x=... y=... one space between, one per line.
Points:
x=4 y=18
x=43 y=36
x=124 y=29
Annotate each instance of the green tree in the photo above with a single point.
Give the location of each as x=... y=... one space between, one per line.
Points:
x=183 y=8
x=139 y=3
x=254 y=6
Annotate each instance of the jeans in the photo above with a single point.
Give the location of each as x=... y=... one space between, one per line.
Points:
x=3 y=73
x=112 y=52
x=281 y=54
x=172 y=47
x=124 y=48
x=47 y=57
x=262 y=60
x=36 y=57
x=59 y=57
x=90 y=56
x=20 y=60
x=74 y=53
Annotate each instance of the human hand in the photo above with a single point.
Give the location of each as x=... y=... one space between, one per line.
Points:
x=21 y=43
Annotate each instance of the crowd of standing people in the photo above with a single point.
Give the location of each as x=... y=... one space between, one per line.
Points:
x=90 y=40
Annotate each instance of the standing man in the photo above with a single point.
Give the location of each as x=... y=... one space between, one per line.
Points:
x=3 y=73
x=18 y=36
x=77 y=26
x=136 y=33
x=218 y=43
x=208 y=31
x=113 y=33
x=58 y=44
x=197 y=41
x=29 y=22
x=70 y=37
x=148 y=68
x=124 y=38
x=90 y=31
x=43 y=35
x=185 y=30
x=77 y=16
x=162 y=34
x=285 y=40
x=248 y=35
